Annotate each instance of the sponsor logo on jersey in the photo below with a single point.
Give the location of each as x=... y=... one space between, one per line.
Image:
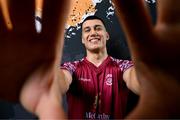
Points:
x=99 y=116
x=85 y=79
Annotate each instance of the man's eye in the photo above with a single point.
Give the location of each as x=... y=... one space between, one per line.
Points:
x=98 y=28
x=86 y=30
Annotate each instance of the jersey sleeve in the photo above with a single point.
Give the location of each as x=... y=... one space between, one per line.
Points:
x=125 y=64
x=69 y=66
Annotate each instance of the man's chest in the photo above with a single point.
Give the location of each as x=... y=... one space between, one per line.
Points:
x=92 y=81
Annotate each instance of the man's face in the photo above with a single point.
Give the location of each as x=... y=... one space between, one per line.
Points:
x=94 y=35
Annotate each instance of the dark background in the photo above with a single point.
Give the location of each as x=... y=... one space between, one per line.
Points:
x=73 y=50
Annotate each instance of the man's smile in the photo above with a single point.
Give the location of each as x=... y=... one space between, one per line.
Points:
x=94 y=40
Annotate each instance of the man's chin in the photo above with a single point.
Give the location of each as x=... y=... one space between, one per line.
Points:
x=95 y=50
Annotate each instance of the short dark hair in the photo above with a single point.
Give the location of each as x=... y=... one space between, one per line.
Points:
x=93 y=17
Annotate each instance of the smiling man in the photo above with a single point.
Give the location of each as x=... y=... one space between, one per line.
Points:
x=96 y=83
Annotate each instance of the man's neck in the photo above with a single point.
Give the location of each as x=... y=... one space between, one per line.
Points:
x=96 y=58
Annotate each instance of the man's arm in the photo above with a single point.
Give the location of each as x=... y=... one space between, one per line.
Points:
x=66 y=81
x=131 y=81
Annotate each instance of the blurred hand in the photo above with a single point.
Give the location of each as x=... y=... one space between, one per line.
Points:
x=155 y=52
x=32 y=57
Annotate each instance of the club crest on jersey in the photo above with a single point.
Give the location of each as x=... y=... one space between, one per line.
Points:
x=108 y=79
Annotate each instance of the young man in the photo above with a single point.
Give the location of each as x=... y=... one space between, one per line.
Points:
x=96 y=83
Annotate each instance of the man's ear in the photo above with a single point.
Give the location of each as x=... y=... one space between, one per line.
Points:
x=82 y=41
x=107 y=36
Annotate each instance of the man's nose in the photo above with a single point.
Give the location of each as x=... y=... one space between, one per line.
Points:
x=94 y=33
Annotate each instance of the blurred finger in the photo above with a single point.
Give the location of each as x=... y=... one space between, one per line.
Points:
x=136 y=23
x=54 y=16
x=5 y=14
x=22 y=15
x=168 y=11
x=3 y=21
x=53 y=19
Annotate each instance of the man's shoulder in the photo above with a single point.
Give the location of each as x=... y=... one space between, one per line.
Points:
x=116 y=60
x=76 y=62
x=123 y=64
x=120 y=61
x=72 y=66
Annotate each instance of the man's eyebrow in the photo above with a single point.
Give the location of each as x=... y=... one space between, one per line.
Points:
x=98 y=26
x=86 y=27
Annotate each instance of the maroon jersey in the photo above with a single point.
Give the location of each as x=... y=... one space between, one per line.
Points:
x=97 y=92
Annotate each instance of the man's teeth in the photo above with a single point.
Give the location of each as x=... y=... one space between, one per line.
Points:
x=94 y=40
